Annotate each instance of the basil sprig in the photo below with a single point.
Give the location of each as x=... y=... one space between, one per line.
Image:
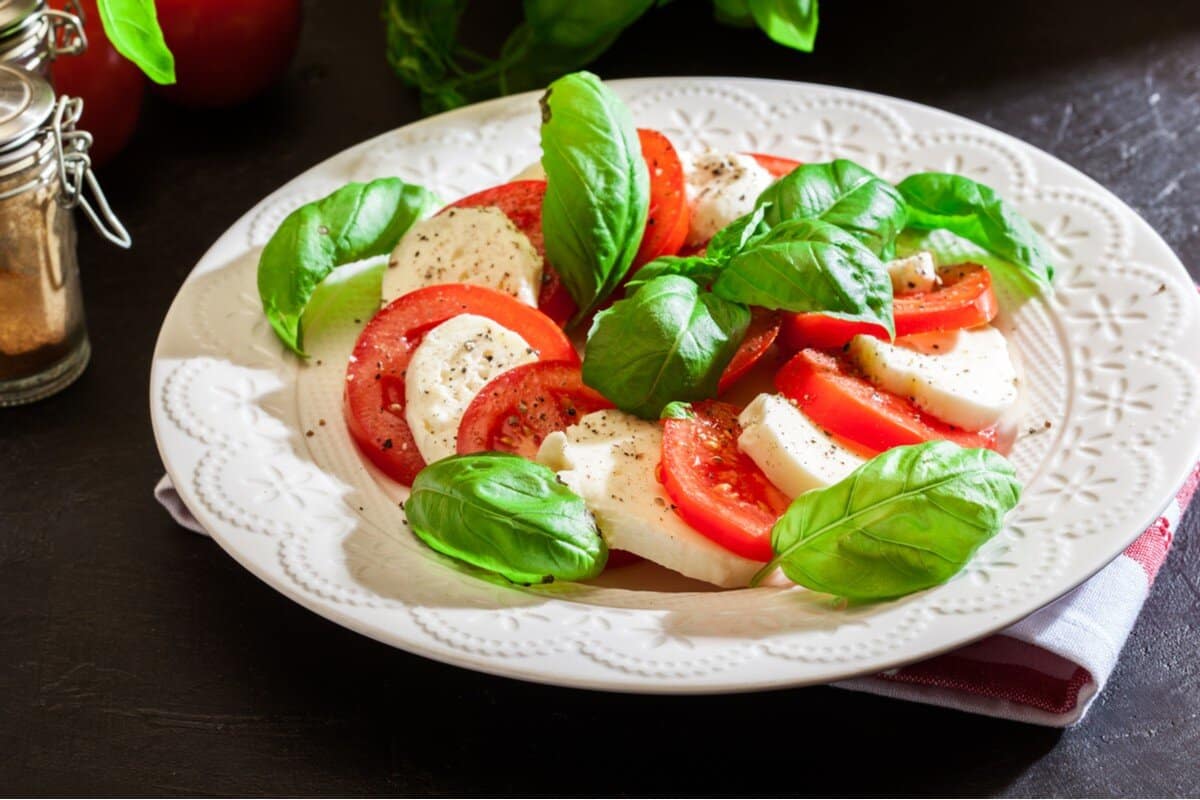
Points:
x=966 y=208
x=132 y=28
x=908 y=519
x=359 y=220
x=669 y=341
x=598 y=187
x=506 y=514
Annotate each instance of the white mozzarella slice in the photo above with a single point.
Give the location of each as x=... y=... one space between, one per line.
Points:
x=453 y=362
x=465 y=245
x=609 y=459
x=720 y=188
x=968 y=381
x=915 y=273
x=790 y=449
x=534 y=172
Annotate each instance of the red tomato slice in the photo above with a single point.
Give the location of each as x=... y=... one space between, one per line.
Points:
x=967 y=300
x=826 y=389
x=521 y=202
x=669 y=215
x=515 y=410
x=764 y=327
x=776 y=165
x=715 y=487
x=374 y=401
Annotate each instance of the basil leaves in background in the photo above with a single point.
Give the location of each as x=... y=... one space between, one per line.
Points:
x=975 y=212
x=805 y=265
x=504 y=513
x=700 y=269
x=669 y=341
x=908 y=519
x=598 y=187
x=792 y=23
x=132 y=28
x=359 y=220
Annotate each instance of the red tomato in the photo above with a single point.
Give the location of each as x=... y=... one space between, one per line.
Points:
x=374 y=402
x=776 y=165
x=515 y=410
x=227 y=51
x=845 y=405
x=764 y=327
x=669 y=215
x=967 y=300
x=110 y=86
x=521 y=202
x=715 y=487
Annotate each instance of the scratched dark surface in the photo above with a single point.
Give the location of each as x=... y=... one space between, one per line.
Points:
x=137 y=658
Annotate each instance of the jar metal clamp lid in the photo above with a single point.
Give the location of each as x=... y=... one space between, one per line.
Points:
x=32 y=35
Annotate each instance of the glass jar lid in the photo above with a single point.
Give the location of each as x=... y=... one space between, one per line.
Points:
x=14 y=13
x=26 y=102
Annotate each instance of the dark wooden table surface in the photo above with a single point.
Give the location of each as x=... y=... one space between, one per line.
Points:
x=138 y=658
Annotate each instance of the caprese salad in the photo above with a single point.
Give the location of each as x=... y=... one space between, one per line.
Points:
x=731 y=364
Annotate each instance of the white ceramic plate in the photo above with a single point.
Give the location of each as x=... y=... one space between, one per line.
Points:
x=1110 y=359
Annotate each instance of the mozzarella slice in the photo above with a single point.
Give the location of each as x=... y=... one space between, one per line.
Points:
x=609 y=459
x=720 y=188
x=915 y=273
x=453 y=362
x=790 y=449
x=968 y=381
x=465 y=245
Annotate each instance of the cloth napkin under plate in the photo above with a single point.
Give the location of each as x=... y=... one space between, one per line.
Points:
x=1047 y=669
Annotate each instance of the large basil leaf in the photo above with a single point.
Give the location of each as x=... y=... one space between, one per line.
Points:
x=737 y=235
x=975 y=212
x=598 y=187
x=506 y=514
x=669 y=341
x=908 y=519
x=792 y=23
x=843 y=194
x=700 y=269
x=804 y=265
x=132 y=28
x=358 y=221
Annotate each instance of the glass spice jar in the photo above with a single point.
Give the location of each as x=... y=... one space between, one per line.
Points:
x=45 y=173
x=32 y=35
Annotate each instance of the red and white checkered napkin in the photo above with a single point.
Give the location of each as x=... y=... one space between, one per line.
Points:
x=1047 y=669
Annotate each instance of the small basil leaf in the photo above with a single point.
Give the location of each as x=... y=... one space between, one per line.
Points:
x=594 y=211
x=570 y=24
x=976 y=213
x=677 y=410
x=700 y=269
x=734 y=237
x=132 y=28
x=908 y=519
x=843 y=194
x=669 y=341
x=733 y=12
x=359 y=220
x=792 y=23
x=506 y=514
x=804 y=265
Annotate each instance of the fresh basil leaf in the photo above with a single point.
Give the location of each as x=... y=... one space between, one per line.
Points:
x=423 y=50
x=132 y=28
x=359 y=220
x=677 y=410
x=575 y=25
x=733 y=12
x=348 y=293
x=805 y=265
x=598 y=187
x=700 y=269
x=669 y=341
x=908 y=519
x=841 y=193
x=792 y=23
x=976 y=213
x=734 y=237
x=506 y=514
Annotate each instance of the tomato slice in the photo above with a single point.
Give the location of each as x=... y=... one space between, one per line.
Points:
x=846 y=405
x=764 y=327
x=967 y=300
x=669 y=215
x=374 y=400
x=521 y=202
x=715 y=487
x=515 y=410
x=776 y=165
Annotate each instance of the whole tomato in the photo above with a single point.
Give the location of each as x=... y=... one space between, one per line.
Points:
x=227 y=51
x=111 y=87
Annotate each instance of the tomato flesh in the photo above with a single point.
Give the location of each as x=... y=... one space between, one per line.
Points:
x=669 y=214
x=966 y=301
x=778 y=166
x=764 y=327
x=515 y=411
x=848 y=406
x=716 y=488
x=374 y=399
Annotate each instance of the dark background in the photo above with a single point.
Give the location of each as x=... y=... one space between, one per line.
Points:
x=136 y=657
